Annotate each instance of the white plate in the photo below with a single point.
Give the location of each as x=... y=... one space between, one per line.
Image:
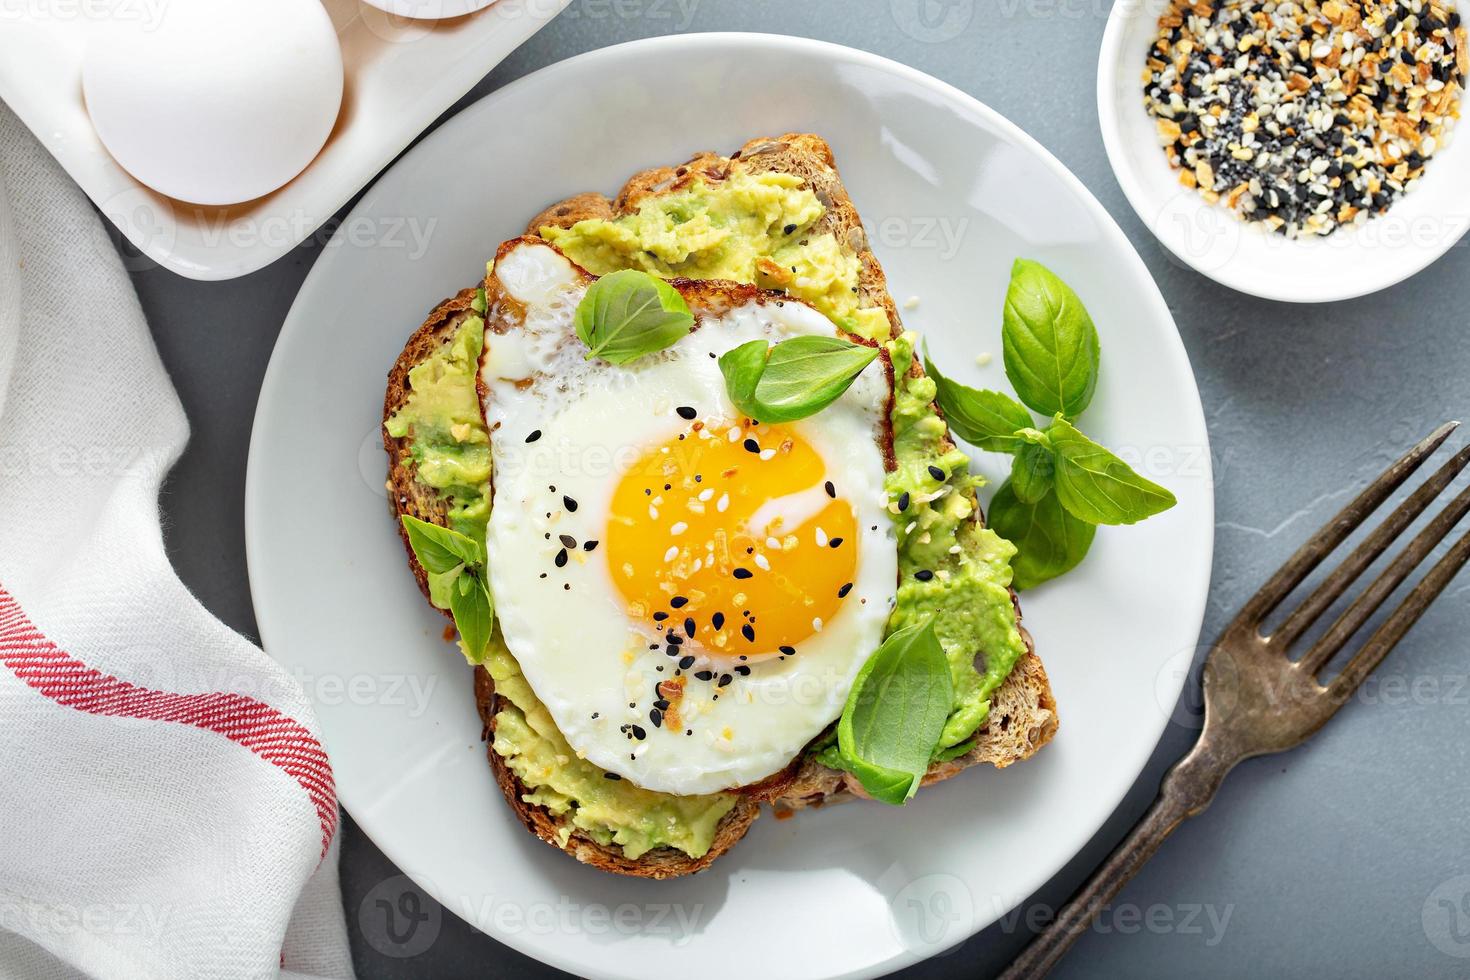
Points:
x=400 y=75
x=1417 y=229
x=951 y=193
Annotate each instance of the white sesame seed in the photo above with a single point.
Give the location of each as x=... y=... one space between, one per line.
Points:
x=723 y=503
x=821 y=538
x=672 y=553
x=678 y=528
x=762 y=563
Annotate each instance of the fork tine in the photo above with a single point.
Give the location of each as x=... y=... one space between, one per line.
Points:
x=1332 y=588
x=1382 y=587
x=1366 y=660
x=1321 y=544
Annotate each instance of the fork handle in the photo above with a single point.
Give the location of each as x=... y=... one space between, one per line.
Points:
x=1187 y=789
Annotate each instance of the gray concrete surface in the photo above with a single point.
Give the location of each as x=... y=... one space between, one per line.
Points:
x=1347 y=857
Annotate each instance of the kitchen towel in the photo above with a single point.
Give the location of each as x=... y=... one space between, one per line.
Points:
x=166 y=808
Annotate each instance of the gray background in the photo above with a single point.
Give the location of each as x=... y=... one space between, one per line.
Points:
x=1334 y=859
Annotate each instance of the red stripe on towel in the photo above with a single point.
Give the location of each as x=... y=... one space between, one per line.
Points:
x=268 y=733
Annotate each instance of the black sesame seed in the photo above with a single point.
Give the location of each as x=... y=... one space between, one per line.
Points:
x=561 y=558
x=751 y=446
x=789 y=651
x=657 y=717
x=611 y=775
x=536 y=434
x=568 y=540
x=639 y=733
x=662 y=704
x=571 y=504
x=724 y=680
x=704 y=675
x=679 y=602
x=689 y=627
x=831 y=490
x=742 y=670
x=742 y=573
x=923 y=575
x=589 y=545
x=835 y=543
x=675 y=639
x=903 y=501
x=937 y=473
x=842 y=592
x=748 y=632
x=686 y=662
x=718 y=620
x=660 y=616
x=788 y=229
x=685 y=412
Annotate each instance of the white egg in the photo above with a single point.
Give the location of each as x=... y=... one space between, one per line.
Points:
x=690 y=596
x=216 y=101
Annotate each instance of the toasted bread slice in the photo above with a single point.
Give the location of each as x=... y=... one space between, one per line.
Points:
x=1023 y=714
x=1023 y=711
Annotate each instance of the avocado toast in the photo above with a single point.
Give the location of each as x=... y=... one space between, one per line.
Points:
x=774 y=214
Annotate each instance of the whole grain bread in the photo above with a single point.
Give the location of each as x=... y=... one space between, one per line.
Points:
x=1023 y=711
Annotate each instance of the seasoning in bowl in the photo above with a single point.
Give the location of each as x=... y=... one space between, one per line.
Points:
x=1305 y=116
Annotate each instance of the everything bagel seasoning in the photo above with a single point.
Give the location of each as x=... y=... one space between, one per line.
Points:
x=1304 y=116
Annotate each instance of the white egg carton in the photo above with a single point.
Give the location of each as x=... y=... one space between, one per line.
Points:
x=401 y=74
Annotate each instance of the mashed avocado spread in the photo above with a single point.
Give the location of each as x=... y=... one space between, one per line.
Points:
x=753 y=229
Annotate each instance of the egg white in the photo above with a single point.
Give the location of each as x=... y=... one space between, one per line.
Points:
x=568 y=627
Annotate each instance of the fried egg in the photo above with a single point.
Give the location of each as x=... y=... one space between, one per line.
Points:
x=689 y=593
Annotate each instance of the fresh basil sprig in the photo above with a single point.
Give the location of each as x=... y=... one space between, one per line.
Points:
x=455 y=564
x=627 y=314
x=1062 y=484
x=1050 y=345
x=896 y=712
x=795 y=378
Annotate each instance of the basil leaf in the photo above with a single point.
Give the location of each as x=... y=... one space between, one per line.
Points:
x=895 y=713
x=1048 y=342
x=1097 y=486
x=439 y=549
x=742 y=368
x=796 y=378
x=1049 y=541
x=628 y=314
x=1032 y=472
x=987 y=419
x=474 y=615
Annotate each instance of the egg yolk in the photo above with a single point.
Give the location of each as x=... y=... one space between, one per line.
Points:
x=732 y=541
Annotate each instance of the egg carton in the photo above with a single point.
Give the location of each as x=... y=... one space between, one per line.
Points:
x=400 y=75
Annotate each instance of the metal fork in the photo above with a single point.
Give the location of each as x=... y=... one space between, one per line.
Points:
x=1258 y=700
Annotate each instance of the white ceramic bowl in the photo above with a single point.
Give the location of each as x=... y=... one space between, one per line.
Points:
x=1418 y=229
x=951 y=193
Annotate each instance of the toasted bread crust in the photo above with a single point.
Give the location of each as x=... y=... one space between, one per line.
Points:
x=405 y=494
